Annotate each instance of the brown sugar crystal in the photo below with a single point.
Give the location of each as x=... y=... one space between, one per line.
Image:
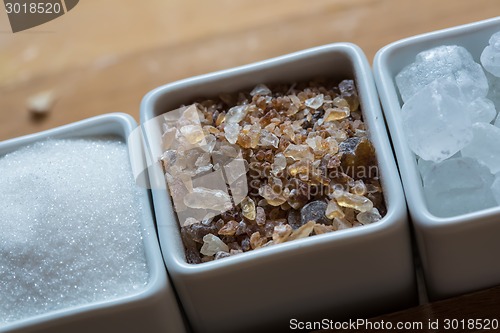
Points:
x=296 y=160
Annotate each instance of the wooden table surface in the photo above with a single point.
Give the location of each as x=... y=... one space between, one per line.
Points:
x=103 y=56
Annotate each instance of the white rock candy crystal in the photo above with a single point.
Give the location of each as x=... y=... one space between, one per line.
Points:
x=451 y=123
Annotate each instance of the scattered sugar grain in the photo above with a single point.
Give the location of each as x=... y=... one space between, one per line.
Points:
x=70 y=227
x=41 y=103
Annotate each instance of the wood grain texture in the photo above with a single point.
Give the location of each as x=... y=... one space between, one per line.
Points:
x=103 y=56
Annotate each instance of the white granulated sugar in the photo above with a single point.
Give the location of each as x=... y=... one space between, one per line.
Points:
x=70 y=231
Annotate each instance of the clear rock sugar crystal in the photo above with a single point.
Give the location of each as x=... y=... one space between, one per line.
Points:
x=70 y=227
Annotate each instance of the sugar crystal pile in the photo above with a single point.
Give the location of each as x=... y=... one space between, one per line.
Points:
x=270 y=165
x=450 y=120
x=70 y=221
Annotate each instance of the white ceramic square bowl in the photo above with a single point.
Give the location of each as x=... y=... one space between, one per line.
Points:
x=459 y=254
x=351 y=273
x=154 y=306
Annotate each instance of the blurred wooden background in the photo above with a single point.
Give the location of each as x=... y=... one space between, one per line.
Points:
x=103 y=56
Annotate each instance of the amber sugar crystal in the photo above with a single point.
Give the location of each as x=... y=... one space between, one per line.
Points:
x=309 y=167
